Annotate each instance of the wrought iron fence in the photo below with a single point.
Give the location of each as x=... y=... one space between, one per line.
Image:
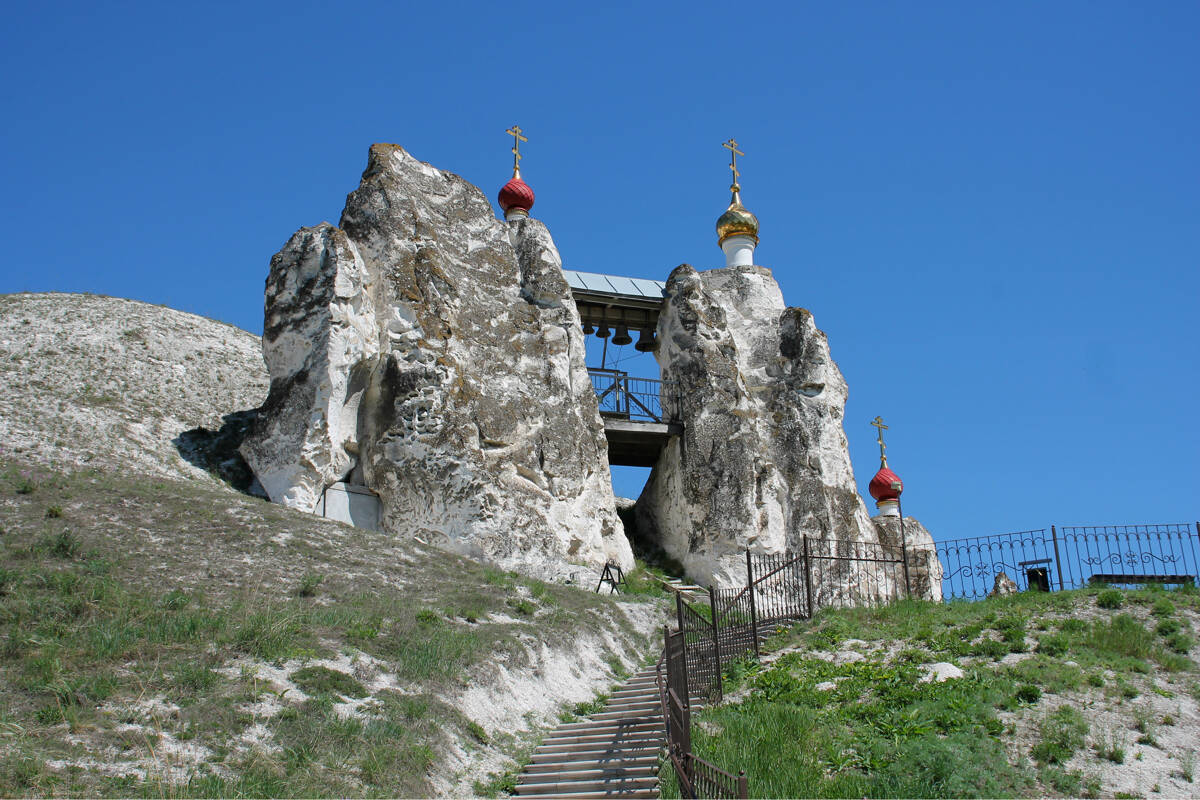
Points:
x=1069 y=557
x=625 y=397
x=701 y=648
x=697 y=777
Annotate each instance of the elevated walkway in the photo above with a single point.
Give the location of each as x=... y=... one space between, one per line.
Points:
x=639 y=416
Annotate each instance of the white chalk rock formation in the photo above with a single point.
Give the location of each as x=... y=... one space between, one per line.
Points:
x=924 y=567
x=319 y=326
x=763 y=460
x=432 y=353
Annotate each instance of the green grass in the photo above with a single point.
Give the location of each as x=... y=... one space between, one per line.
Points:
x=880 y=732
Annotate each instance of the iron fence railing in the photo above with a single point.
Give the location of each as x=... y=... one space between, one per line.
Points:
x=697 y=778
x=623 y=396
x=1071 y=556
x=701 y=648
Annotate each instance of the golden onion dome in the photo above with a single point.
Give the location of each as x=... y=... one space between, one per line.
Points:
x=737 y=221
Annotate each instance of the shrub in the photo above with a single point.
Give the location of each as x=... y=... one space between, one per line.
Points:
x=1112 y=747
x=317 y=680
x=1053 y=645
x=1110 y=598
x=65 y=545
x=1028 y=693
x=308 y=584
x=1063 y=732
x=522 y=606
x=1180 y=642
x=477 y=732
x=53 y=512
x=175 y=600
x=1163 y=608
x=1167 y=627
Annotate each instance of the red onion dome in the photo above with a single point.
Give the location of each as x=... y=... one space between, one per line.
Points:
x=881 y=485
x=516 y=194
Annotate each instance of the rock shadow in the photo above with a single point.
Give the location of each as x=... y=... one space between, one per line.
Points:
x=216 y=452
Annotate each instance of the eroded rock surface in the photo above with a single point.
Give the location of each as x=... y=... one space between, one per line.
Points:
x=924 y=568
x=763 y=460
x=432 y=353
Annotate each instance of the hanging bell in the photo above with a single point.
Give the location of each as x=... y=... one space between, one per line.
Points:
x=622 y=337
x=645 y=342
x=588 y=329
x=604 y=332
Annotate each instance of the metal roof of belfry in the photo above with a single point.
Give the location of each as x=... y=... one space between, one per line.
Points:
x=615 y=284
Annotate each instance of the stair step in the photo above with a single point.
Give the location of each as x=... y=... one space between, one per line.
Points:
x=650 y=715
x=603 y=760
x=605 y=745
x=616 y=728
x=637 y=794
x=601 y=739
x=615 y=757
x=611 y=787
x=602 y=744
x=579 y=772
x=620 y=719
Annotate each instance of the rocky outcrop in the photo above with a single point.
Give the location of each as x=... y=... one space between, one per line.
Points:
x=924 y=568
x=318 y=336
x=763 y=459
x=432 y=353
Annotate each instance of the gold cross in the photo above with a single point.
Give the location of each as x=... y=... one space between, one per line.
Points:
x=878 y=423
x=515 y=132
x=732 y=147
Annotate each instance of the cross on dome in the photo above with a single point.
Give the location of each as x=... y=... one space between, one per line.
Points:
x=886 y=486
x=878 y=423
x=732 y=147
x=737 y=228
x=515 y=132
x=516 y=198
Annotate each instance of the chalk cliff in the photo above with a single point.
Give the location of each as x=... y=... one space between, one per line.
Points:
x=763 y=459
x=432 y=353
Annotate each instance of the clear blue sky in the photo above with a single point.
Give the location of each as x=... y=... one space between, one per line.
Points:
x=992 y=210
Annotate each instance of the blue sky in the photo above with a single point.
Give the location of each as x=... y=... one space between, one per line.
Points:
x=992 y=210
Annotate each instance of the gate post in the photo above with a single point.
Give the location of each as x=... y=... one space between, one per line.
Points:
x=679 y=611
x=807 y=580
x=1057 y=561
x=753 y=609
x=712 y=604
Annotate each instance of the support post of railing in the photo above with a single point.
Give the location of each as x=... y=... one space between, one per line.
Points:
x=712 y=604
x=1195 y=561
x=807 y=580
x=1057 y=560
x=753 y=609
x=743 y=785
x=679 y=610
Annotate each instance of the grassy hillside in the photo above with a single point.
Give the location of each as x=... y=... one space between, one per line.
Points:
x=1079 y=693
x=163 y=636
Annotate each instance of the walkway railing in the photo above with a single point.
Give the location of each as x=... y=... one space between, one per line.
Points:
x=623 y=396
